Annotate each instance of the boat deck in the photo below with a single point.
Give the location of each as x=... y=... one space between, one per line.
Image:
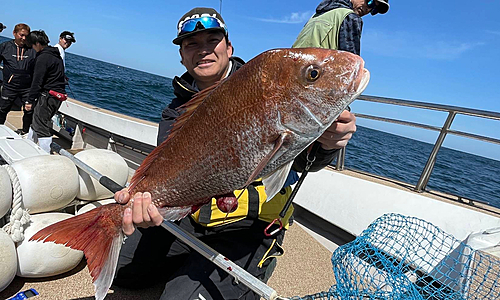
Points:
x=304 y=269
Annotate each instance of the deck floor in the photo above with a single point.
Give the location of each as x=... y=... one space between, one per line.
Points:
x=304 y=269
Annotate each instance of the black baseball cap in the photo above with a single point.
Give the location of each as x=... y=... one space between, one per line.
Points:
x=2 y=27
x=199 y=19
x=381 y=8
x=68 y=36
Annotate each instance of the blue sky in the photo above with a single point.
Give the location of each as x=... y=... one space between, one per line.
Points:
x=444 y=52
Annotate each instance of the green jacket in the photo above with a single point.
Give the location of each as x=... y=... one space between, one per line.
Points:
x=322 y=31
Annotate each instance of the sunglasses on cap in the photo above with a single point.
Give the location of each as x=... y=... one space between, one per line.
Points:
x=68 y=38
x=372 y=4
x=207 y=23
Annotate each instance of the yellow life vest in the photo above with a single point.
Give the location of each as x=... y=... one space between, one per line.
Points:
x=251 y=204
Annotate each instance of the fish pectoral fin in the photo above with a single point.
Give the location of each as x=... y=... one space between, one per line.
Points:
x=279 y=142
x=274 y=181
x=175 y=213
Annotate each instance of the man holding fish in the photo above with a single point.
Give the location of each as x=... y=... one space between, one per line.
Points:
x=225 y=163
x=237 y=232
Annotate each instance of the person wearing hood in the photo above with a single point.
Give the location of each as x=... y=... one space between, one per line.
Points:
x=246 y=234
x=337 y=24
x=47 y=88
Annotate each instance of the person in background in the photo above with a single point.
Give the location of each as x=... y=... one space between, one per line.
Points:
x=206 y=53
x=66 y=38
x=337 y=24
x=2 y=27
x=47 y=88
x=18 y=60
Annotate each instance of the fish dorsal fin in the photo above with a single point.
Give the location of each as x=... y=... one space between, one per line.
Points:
x=190 y=108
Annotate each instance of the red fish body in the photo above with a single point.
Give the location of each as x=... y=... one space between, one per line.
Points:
x=250 y=125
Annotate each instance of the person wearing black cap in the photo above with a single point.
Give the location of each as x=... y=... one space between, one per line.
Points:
x=66 y=38
x=2 y=27
x=337 y=24
x=206 y=52
x=47 y=88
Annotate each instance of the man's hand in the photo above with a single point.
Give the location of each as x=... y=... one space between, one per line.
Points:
x=28 y=106
x=142 y=212
x=340 y=132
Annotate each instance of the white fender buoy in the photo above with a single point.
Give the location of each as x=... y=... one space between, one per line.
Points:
x=8 y=260
x=5 y=192
x=37 y=259
x=48 y=182
x=93 y=205
x=107 y=163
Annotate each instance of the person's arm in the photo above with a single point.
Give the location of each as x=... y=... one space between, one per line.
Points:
x=2 y=47
x=349 y=38
x=36 y=83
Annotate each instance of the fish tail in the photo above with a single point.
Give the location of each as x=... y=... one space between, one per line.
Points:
x=98 y=233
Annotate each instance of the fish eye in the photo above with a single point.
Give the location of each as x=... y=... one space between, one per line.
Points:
x=312 y=73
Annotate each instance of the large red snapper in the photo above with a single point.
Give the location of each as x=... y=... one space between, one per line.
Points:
x=248 y=126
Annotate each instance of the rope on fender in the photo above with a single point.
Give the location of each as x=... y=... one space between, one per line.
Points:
x=19 y=217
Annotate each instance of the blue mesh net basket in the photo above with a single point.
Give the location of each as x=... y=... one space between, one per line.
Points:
x=400 y=257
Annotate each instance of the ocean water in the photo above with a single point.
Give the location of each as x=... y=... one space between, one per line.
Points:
x=144 y=95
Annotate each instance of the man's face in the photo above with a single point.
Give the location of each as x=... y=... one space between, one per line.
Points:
x=64 y=43
x=360 y=7
x=206 y=55
x=20 y=36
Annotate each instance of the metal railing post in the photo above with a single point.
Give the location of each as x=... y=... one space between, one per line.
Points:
x=426 y=173
x=339 y=166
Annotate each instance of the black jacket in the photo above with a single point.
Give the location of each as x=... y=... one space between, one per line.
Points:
x=18 y=65
x=350 y=30
x=48 y=73
x=184 y=91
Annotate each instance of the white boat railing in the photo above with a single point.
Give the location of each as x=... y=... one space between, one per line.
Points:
x=444 y=130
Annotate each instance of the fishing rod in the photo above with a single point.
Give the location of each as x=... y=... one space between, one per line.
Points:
x=73 y=94
x=240 y=274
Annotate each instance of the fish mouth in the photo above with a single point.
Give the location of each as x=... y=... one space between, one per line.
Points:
x=363 y=83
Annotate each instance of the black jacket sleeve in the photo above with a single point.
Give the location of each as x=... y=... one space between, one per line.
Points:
x=38 y=76
x=323 y=159
x=350 y=34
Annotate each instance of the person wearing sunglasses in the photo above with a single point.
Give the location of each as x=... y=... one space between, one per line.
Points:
x=207 y=54
x=66 y=39
x=337 y=24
